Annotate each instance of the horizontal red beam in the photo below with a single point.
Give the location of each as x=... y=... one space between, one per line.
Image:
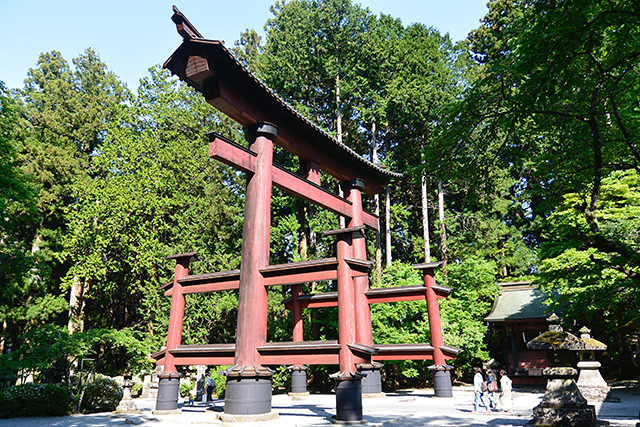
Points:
x=236 y=156
x=374 y=296
x=274 y=275
x=208 y=282
x=303 y=352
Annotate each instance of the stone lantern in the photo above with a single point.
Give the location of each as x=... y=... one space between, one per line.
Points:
x=126 y=405
x=563 y=404
x=591 y=384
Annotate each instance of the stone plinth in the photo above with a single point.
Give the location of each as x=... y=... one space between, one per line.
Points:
x=563 y=404
x=591 y=384
x=126 y=405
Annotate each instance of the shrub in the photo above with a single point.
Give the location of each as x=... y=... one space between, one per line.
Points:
x=221 y=381
x=185 y=388
x=102 y=395
x=34 y=400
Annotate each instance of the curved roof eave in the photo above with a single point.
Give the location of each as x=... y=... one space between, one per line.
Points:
x=234 y=90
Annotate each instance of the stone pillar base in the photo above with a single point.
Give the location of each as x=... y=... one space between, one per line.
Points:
x=372 y=380
x=348 y=401
x=442 y=380
x=168 y=392
x=235 y=418
x=248 y=393
x=299 y=396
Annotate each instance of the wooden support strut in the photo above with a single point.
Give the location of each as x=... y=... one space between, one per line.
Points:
x=242 y=159
x=176 y=317
x=353 y=189
x=433 y=311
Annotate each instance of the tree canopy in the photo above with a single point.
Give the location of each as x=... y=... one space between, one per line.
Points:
x=526 y=133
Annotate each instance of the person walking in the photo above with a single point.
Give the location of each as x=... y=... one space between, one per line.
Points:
x=506 y=398
x=479 y=387
x=492 y=388
x=210 y=385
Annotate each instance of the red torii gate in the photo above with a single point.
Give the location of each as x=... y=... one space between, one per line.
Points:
x=209 y=67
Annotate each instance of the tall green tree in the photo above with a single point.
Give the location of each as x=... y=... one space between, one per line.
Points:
x=64 y=114
x=17 y=212
x=156 y=193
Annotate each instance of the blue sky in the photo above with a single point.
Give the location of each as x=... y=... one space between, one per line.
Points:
x=131 y=36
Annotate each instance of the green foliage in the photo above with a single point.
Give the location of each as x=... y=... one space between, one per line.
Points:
x=103 y=394
x=596 y=274
x=185 y=388
x=221 y=380
x=462 y=313
x=34 y=400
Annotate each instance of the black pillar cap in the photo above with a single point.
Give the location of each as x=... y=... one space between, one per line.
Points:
x=261 y=129
x=352 y=183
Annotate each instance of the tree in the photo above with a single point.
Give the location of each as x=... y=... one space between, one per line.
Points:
x=427 y=75
x=154 y=193
x=17 y=211
x=596 y=285
x=66 y=112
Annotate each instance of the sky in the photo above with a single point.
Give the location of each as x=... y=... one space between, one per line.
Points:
x=132 y=36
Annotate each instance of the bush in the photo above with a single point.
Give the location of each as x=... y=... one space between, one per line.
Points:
x=102 y=395
x=185 y=388
x=34 y=400
x=221 y=381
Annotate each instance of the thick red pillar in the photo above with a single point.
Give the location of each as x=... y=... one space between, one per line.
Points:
x=352 y=190
x=346 y=312
x=174 y=335
x=433 y=311
x=252 y=298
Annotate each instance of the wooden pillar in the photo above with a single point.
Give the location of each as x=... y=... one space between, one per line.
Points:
x=169 y=381
x=312 y=172
x=352 y=190
x=346 y=312
x=252 y=298
x=441 y=371
x=433 y=311
x=248 y=382
x=174 y=335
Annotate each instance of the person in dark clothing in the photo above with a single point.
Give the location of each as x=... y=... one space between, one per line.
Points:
x=210 y=384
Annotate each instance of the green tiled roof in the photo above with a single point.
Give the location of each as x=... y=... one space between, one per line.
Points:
x=518 y=301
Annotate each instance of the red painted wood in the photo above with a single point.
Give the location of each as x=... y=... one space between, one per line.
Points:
x=313 y=172
x=236 y=156
x=433 y=311
x=176 y=317
x=361 y=284
x=252 y=297
x=346 y=309
x=245 y=112
x=296 y=314
x=209 y=287
x=204 y=360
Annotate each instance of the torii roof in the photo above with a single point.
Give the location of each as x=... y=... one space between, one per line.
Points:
x=210 y=68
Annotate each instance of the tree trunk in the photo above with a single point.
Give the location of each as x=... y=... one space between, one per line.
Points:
x=425 y=207
x=387 y=212
x=443 y=230
x=76 y=306
x=339 y=132
x=376 y=201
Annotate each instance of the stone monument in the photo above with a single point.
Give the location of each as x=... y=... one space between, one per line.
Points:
x=563 y=403
x=591 y=384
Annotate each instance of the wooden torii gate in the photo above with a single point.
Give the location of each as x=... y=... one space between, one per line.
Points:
x=212 y=70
